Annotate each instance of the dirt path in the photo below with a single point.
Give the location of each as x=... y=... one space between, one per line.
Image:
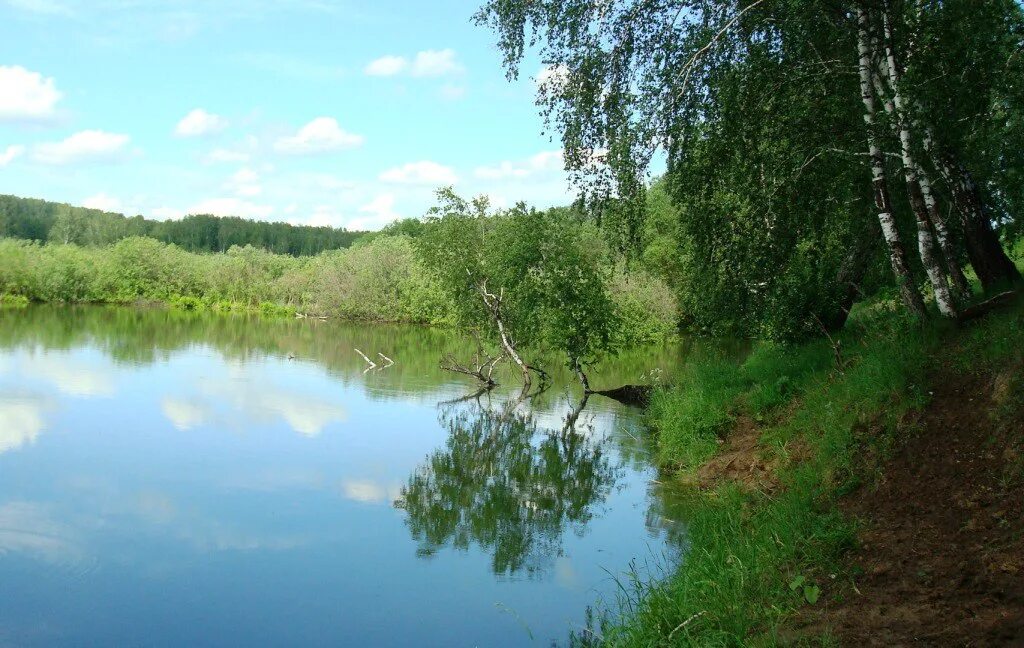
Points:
x=942 y=551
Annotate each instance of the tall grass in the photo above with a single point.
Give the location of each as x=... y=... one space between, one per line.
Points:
x=756 y=558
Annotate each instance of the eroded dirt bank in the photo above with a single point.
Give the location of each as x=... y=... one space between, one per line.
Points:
x=941 y=555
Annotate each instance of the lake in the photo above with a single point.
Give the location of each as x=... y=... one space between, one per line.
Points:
x=173 y=479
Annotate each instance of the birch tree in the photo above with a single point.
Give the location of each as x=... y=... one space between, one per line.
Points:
x=883 y=202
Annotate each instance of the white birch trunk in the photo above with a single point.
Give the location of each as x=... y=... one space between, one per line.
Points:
x=960 y=287
x=897 y=253
x=925 y=239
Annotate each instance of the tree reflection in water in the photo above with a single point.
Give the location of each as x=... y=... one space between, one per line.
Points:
x=507 y=485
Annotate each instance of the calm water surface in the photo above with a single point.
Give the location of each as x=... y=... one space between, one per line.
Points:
x=168 y=479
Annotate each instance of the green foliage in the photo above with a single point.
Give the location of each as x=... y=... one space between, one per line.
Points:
x=771 y=231
x=551 y=273
x=13 y=301
x=380 y=281
x=40 y=220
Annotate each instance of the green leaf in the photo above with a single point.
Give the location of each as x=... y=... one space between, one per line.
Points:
x=811 y=593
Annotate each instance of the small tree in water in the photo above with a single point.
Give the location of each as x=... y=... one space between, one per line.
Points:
x=525 y=279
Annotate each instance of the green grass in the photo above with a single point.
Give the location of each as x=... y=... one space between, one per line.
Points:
x=755 y=559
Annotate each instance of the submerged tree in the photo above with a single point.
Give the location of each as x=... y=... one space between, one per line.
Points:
x=527 y=280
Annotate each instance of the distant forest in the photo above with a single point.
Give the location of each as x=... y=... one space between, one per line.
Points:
x=40 y=220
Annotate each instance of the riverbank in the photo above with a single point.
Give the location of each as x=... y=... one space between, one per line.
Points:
x=810 y=473
x=381 y=279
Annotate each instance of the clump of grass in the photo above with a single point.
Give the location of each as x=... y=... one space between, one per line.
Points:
x=754 y=559
x=13 y=301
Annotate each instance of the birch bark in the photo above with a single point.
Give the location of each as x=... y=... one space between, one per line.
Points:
x=897 y=253
x=925 y=239
x=961 y=289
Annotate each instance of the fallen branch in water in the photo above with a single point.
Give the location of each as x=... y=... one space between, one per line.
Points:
x=482 y=370
x=635 y=395
x=371 y=363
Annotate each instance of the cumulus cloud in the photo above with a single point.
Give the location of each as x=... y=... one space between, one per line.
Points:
x=199 y=123
x=10 y=153
x=433 y=63
x=423 y=172
x=321 y=135
x=26 y=95
x=552 y=78
x=380 y=212
x=166 y=213
x=426 y=63
x=245 y=182
x=232 y=207
x=541 y=163
x=84 y=146
x=103 y=202
x=386 y=66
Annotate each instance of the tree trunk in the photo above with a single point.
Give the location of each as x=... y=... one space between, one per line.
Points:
x=850 y=275
x=925 y=239
x=580 y=374
x=883 y=202
x=493 y=303
x=990 y=263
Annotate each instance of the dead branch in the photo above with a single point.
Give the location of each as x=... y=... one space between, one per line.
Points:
x=371 y=364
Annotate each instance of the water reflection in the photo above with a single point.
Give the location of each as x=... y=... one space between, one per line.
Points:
x=506 y=485
x=173 y=479
x=21 y=421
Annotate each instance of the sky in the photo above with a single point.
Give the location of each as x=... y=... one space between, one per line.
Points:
x=321 y=112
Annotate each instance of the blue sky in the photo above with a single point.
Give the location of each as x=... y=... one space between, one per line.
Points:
x=309 y=111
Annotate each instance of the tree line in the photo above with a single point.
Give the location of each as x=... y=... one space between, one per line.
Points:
x=40 y=220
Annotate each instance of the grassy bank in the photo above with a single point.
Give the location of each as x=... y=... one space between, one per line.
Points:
x=760 y=551
x=381 y=279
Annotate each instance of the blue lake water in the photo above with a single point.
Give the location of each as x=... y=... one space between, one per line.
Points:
x=172 y=480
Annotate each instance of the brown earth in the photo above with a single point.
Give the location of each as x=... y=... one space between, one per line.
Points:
x=740 y=459
x=941 y=554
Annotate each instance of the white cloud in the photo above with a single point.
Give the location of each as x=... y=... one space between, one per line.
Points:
x=552 y=78
x=321 y=135
x=381 y=212
x=26 y=95
x=21 y=421
x=545 y=162
x=368 y=492
x=245 y=182
x=10 y=153
x=71 y=376
x=433 y=63
x=232 y=207
x=199 y=123
x=386 y=66
x=84 y=146
x=184 y=414
x=424 y=172
x=166 y=213
x=103 y=202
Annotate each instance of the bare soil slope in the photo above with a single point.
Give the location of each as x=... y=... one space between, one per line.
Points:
x=941 y=557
